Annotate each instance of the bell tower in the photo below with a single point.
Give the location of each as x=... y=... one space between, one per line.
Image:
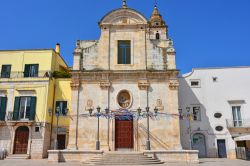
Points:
x=158 y=28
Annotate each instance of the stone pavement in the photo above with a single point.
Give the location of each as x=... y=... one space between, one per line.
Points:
x=203 y=162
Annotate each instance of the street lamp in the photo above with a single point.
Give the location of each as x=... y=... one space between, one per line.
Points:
x=148 y=132
x=98 y=122
x=98 y=114
x=189 y=116
x=58 y=113
x=57 y=119
x=148 y=141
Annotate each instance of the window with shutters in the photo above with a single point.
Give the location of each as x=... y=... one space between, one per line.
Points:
x=124 y=52
x=24 y=108
x=237 y=118
x=62 y=106
x=6 y=70
x=3 y=103
x=196 y=113
x=31 y=70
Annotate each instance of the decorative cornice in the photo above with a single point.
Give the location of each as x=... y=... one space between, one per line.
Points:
x=112 y=76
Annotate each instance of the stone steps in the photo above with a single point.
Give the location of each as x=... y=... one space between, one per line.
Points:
x=123 y=158
x=18 y=156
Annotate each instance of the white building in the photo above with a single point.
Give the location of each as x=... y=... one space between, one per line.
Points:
x=218 y=102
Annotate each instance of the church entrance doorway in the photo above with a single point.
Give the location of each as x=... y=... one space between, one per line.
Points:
x=124 y=132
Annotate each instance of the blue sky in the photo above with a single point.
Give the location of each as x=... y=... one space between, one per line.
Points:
x=206 y=33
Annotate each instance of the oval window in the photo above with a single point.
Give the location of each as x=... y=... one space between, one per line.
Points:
x=218 y=128
x=217 y=115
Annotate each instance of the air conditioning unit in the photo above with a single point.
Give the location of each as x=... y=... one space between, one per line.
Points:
x=10 y=116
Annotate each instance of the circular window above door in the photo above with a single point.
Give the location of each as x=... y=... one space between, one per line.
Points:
x=124 y=99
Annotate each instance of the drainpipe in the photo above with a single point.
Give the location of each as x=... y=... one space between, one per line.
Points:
x=52 y=119
x=77 y=118
x=108 y=117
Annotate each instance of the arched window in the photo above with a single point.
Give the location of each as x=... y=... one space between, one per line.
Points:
x=157 y=36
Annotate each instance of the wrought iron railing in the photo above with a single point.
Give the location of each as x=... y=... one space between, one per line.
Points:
x=231 y=123
x=40 y=74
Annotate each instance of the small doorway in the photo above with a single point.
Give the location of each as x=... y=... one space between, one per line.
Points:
x=222 y=151
x=124 y=132
x=199 y=143
x=61 y=140
x=21 y=140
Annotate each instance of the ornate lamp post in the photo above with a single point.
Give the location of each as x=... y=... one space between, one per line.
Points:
x=98 y=114
x=148 y=130
x=58 y=113
x=98 y=122
x=189 y=117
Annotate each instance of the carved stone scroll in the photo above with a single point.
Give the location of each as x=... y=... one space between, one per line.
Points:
x=143 y=84
x=174 y=84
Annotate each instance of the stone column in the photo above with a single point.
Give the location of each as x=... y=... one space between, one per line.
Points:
x=105 y=103
x=141 y=135
x=74 y=114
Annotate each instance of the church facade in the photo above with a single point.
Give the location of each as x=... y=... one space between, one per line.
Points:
x=130 y=68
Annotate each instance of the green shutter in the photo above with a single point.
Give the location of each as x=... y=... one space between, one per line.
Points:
x=57 y=104
x=26 y=70
x=32 y=108
x=16 y=108
x=64 y=107
x=3 y=103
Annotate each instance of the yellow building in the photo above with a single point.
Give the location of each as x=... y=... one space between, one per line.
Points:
x=31 y=83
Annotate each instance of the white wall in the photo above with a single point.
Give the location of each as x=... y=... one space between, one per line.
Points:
x=232 y=85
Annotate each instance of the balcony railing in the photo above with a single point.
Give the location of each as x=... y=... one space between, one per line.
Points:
x=10 y=117
x=40 y=74
x=244 y=123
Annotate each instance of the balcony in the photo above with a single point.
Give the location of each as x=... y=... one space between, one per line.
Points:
x=244 y=123
x=10 y=120
x=238 y=126
x=15 y=75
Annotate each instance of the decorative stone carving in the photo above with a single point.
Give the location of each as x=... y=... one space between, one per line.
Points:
x=159 y=105
x=173 y=84
x=75 y=85
x=143 y=84
x=105 y=84
x=89 y=104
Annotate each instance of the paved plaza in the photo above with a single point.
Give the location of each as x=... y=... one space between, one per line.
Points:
x=203 y=162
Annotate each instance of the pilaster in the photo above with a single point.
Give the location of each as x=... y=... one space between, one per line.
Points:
x=73 y=130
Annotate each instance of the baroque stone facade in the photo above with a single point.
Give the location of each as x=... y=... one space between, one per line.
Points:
x=149 y=79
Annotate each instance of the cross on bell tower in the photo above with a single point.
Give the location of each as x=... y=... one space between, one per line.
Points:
x=124 y=4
